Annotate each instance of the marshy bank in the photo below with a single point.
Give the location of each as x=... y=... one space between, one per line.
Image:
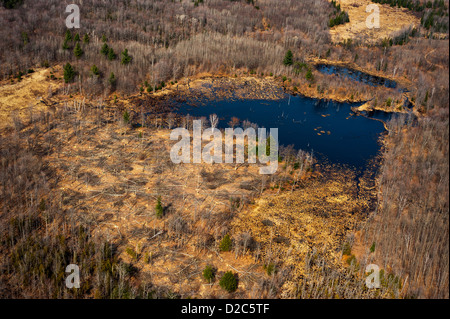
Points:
x=330 y=130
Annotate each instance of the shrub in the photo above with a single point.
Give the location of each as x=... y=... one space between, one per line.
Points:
x=228 y=282
x=299 y=66
x=347 y=250
x=25 y=38
x=11 y=4
x=19 y=76
x=112 y=79
x=69 y=73
x=68 y=36
x=225 y=244
x=126 y=117
x=309 y=75
x=111 y=54
x=288 y=58
x=147 y=258
x=105 y=49
x=159 y=210
x=125 y=57
x=65 y=45
x=95 y=71
x=388 y=102
x=209 y=273
x=132 y=253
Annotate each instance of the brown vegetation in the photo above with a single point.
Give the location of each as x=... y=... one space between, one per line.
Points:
x=86 y=176
x=174 y=40
x=410 y=228
x=356 y=29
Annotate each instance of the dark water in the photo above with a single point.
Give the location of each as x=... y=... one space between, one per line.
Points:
x=357 y=76
x=329 y=129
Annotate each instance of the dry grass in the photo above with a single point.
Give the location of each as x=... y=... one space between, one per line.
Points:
x=391 y=20
x=108 y=177
x=18 y=97
x=316 y=217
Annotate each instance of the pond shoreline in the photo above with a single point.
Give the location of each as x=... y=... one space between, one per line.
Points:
x=253 y=87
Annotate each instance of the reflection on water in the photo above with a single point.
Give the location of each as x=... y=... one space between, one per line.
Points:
x=357 y=76
x=329 y=129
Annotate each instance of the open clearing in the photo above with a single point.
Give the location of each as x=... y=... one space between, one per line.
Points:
x=19 y=96
x=392 y=20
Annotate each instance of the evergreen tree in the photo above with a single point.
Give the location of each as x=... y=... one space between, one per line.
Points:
x=309 y=75
x=288 y=58
x=112 y=79
x=11 y=4
x=95 y=71
x=104 y=39
x=68 y=36
x=209 y=273
x=125 y=57
x=126 y=120
x=69 y=73
x=25 y=38
x=225 y=244
x=65 y=45
x=77 y=37
x=78 y=51
x=105 y=49
x=111 y=54
x=86 y=38
x=159 y=209
x=228 y=282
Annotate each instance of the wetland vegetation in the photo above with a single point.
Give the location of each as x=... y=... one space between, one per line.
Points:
x=86 y=175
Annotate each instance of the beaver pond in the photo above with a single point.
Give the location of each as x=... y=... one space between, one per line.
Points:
x=358 y=76
x=331 y=130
